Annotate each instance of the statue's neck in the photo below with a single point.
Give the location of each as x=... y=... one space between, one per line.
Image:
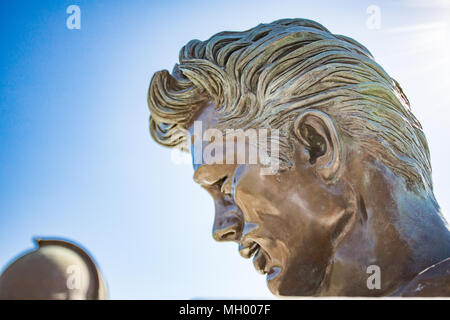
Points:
x=396 y=230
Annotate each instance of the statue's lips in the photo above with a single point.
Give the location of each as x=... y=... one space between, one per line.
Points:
x=260 y=256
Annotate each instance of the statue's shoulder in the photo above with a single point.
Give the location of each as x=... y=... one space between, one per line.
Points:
x=434 y=281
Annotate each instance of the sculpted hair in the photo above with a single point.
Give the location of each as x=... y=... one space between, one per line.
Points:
x=264 y=77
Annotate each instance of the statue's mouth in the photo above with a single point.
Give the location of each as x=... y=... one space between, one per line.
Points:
x=261 y=258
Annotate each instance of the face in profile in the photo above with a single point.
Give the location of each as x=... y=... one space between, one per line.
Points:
x=356 y=171
x=287 y=223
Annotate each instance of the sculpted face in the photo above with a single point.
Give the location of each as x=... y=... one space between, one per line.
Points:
x=355 y=186
x=288 y=223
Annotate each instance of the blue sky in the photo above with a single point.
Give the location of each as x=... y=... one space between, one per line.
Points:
x=76 y=157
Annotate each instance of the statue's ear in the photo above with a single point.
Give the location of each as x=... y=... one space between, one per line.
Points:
x=316 y=131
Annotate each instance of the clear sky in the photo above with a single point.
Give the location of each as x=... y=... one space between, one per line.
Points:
x=76 y=157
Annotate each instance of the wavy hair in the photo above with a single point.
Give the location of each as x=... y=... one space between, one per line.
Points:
x=264 y=77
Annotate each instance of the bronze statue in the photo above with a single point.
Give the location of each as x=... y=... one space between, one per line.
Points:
x=56 y=270
x=353 y=195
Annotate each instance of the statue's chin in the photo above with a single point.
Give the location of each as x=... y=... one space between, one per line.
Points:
x=274 y=282
x=299 y=291
x=273 y=286
x=282 y=286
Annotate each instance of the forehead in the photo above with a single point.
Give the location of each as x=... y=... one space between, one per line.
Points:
x=226 y=148
x=209 y=120
x=208 y=116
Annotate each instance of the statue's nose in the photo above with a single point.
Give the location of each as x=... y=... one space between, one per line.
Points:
x=227 y=226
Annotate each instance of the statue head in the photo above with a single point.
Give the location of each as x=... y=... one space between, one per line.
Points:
x=344 y=126
x=56 y=270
